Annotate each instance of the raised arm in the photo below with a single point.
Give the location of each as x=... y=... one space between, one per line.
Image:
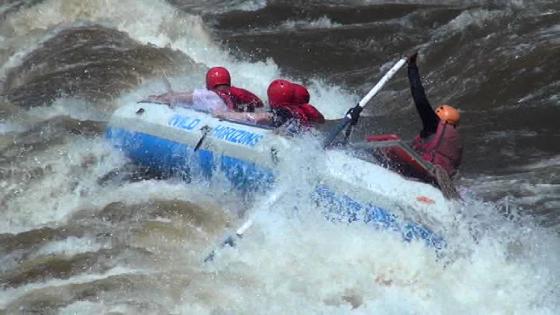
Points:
x=172 y=98
x=429 y=118
x=263 y=118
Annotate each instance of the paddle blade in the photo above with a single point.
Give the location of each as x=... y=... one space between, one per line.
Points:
x=332 y=135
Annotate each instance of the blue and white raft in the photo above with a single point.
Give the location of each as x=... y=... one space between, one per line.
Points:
x=185 y=141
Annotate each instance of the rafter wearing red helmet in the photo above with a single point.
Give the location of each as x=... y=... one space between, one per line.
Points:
x=237 y=99
x=219 y=95
x=284 y=109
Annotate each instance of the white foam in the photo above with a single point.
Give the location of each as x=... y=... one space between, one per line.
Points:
x=250 y=5
x=85 y=308
x=550 y=162
x=302 y=264
x=9 y=127
x=62 y=190
x=146 y=21
x=90 y=308
x=69 y=247
x=468 y=18
x=331 y=100
x=65 y=106
x=319 y=23
x=291 y=260
x=9 y=295
x=157 y=23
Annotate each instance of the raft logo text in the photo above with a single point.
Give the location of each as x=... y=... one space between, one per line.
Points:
x=183 y=122
x=233 y=135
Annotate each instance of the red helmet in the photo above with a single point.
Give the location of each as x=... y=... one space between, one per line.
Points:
x=301 y=95
x=280 y=92
x=217 y=76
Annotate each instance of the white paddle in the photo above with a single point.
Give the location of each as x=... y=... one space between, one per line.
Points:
x=358 y=108
x=230 y=240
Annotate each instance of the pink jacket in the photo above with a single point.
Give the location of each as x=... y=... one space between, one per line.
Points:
x=444 y=148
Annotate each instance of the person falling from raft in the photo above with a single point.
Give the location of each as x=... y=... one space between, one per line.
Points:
x=219 y=95
x=289 y=104
x=438 y=142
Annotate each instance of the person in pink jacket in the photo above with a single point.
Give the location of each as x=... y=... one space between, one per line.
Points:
x=439 y=141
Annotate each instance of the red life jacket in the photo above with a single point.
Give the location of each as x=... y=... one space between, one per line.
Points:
x=296 y=112
x=305 y=114
x=238 y=99
x=444 y=148
x=312 y=114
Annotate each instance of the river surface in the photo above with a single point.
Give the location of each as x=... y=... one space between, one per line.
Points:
x=71 y=243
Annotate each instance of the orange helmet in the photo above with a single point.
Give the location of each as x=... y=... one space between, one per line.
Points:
x=280 y=92
x=448 y=114
x=217 y=76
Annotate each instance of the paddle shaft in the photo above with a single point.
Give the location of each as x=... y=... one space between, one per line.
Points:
x=230 y=240
x=381 y=82
x=362 y=103
x=167 y=83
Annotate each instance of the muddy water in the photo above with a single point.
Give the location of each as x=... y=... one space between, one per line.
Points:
x=74 y=240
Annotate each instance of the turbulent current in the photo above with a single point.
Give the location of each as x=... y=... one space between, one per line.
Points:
x=76 y=241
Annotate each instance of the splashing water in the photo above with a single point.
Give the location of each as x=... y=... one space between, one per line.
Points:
x=72 y=244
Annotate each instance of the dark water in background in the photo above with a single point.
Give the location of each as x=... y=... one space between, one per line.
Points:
x=498 y=63
x=89 y=248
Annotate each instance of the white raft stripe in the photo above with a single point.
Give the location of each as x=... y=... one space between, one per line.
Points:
x=184 y=126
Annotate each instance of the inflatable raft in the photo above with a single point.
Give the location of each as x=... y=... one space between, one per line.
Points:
x=189 y=143
x=401 y=158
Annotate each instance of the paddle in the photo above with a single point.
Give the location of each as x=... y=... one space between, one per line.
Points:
x=230 y=239
x=354 y=113
x=168 y=88
x=167 y=83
